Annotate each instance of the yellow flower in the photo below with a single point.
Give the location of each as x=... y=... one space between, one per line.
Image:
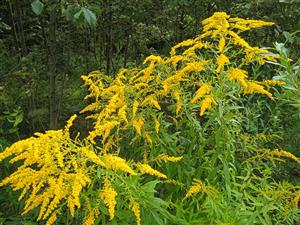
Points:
x=221 y=44
x=154 y=59
x=117 y=163
x=147 y=169
x=156 y=125
x=135 y=108
x=185 y=43
x=151 y=101
x=122 y=113
x=166 y=158
x=91 y=217
x=253 y=87
x=273 y=83
x=138 y=124
x=199 y=186
x=70 y=123
x=282 y=153
x=135 y=208
x=108 y=196
x=179 y=103
x=238 y=75
x=52 y=218
x=203 y=90
x=206 y=103
x=221 y=61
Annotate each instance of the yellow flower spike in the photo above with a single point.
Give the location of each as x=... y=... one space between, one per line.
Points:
x=179 y=103
x=239 y=41
x=185 y=43
x=238 y=75
x=117 y=163
x=156 y=125
x=222 y=60
x=70 y=123
x=253 y=87
x=151 y=101
x=282 y=153
x=147 y=169
x=122 y=113
x=136 y=209
x=138 y=124
x=296 y=199
x=135 y=108
x=52 y=218
x=153 y=59
x=221 y=44
x=203 y=90
x=174 y=60
x=273 y=83
x=91 y=155
x=199 y=186
x=108 y=196
x=148 y=138
x=166 y=158
x=206 y=104
x=91 y=217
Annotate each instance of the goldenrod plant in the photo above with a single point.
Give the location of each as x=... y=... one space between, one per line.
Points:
x=177 y=124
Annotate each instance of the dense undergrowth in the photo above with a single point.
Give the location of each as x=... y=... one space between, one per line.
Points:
x=186 y=139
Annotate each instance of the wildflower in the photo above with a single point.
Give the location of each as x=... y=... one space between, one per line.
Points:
x=179 y=103
x=238 y=75
x=135 y=108
x=221 y=61
x=221 y=44
x=273 y=83
x=122 y=113
x=203 y=90
x=148 y=138
x=156 y=125
x=296 y=199
x=166 y=158
x=238 y=40
x=147 y=169
x=117 y=163
x=70 y=123
x=151 y=100
x=52 y=218
x=153 y=58
x=91 y=217
x=282 y=153
x=185 y=43
x=138 y=124
x=199 y=186
x=252 y=87
x=206 y=104
x=135 y=208
x=108 y=196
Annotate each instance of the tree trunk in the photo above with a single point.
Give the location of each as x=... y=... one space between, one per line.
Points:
x=21 y=33
x=13 y=25
x=52 y=69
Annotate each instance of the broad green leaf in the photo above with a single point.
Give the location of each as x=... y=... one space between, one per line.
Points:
x=37 y=7
x=89 y=16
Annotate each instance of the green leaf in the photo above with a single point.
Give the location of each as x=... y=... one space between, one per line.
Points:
x=37 y=7
x=89 y=16
x=150 y=186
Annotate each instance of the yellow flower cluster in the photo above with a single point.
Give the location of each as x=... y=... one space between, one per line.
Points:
x=147 y=169
x=166 y=158
x=108 y=195
x=135 y=207
x=199 y=186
